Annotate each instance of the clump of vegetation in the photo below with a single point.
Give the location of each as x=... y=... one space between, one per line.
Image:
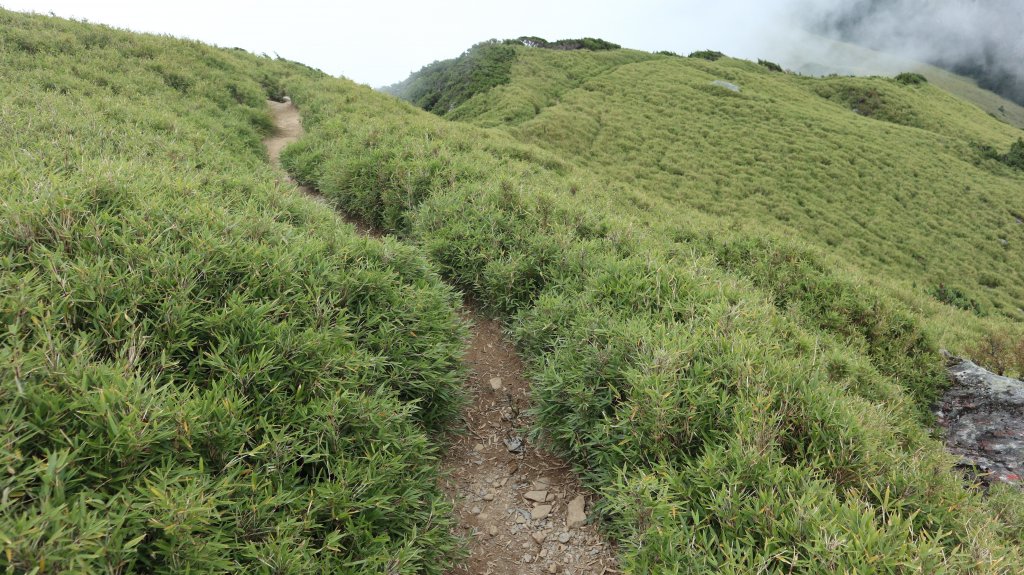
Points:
x=955 y=297
x=864 y=101
x=986 y=152
x=911 y=79
x=711 y=55
x=870 y=99
x=772 y=66
x=999 y=351
x=202 y=371
x=443 y=86
x=1015 y=157
x=592 y=44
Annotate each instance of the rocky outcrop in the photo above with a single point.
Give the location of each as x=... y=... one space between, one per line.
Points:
x=983 y=415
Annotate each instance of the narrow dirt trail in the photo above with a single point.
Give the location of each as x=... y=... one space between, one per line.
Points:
x=521 y=510
x=287 y=129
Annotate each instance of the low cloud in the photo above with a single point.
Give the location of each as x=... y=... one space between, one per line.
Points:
x=983 y=39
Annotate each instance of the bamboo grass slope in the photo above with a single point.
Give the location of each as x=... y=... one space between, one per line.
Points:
x=743 y=406
x=881 y=173
x=200 y=371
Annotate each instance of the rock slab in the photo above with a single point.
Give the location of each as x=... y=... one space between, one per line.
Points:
x=983 y=415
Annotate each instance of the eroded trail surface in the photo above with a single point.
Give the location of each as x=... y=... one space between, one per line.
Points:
x=287 y=129
x=521 y=510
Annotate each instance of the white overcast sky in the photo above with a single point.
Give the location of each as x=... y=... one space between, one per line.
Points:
x=378 y=42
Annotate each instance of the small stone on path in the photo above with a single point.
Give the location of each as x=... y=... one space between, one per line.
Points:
x=540 y=512
x=541 y=484
x=575 y=515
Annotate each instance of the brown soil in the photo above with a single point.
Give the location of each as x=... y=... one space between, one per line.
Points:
x=512 y=500
x=287 y=128
x=501 y=492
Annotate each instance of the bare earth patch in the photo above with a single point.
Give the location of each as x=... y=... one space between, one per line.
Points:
x=511 y=498
x=521 y=510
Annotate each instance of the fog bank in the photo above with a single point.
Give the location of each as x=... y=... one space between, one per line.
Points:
x=980 y=39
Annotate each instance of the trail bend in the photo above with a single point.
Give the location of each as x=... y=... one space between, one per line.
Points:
x=520 y=509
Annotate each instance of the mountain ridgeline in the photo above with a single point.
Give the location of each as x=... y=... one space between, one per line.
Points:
x=442 y=86
x=729 y=284
x=879 y=172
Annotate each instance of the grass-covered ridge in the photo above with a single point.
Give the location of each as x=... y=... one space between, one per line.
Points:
x=743 y=404
x=200 y=370
x=878 y=172
x=444 y=87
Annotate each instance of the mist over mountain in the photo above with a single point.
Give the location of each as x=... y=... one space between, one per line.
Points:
x=978 y=39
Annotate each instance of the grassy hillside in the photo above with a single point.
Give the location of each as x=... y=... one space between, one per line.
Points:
x=997 y=106
x=742 y=405
x=442 y=86
x=880 y=174
x=819 y=56
x=200 y=371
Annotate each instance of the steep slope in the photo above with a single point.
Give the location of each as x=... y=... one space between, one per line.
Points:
x=200 y=371
x=887 y=188
x=740 y=405
x=476 y=83
x=542 y=76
